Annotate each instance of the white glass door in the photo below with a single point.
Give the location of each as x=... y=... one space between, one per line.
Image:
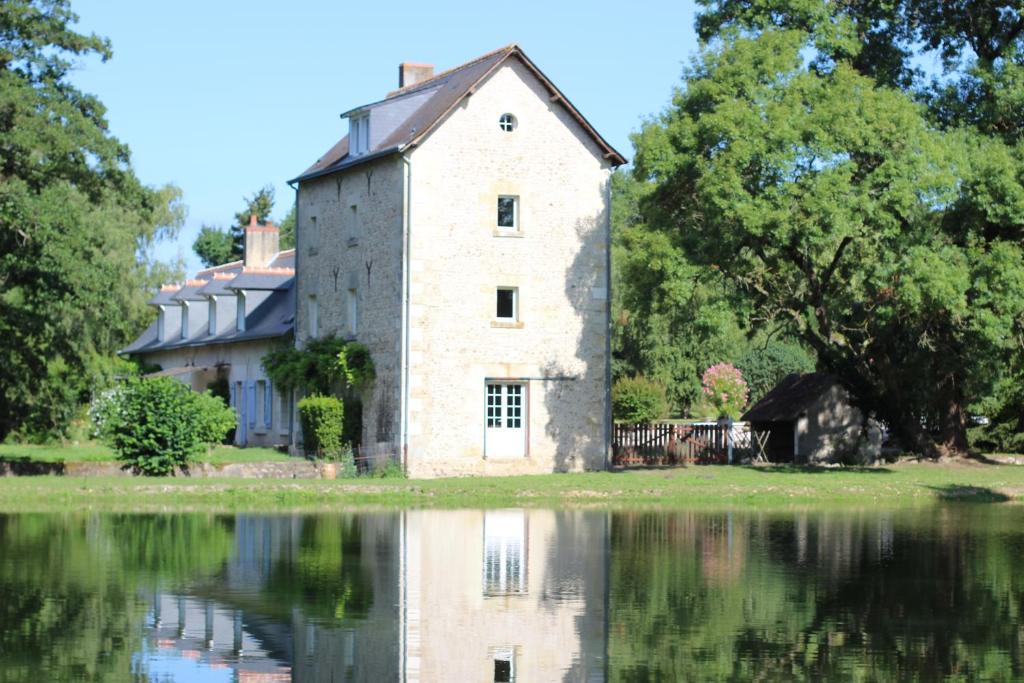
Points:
x=505 y=435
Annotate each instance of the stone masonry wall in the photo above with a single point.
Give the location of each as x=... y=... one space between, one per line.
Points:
x=357 y=250
x=557 y=261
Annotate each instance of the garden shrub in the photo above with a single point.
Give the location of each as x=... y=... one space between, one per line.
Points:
x=216 y=420
x=322 y=419
x=638 y=400
x=159 y=424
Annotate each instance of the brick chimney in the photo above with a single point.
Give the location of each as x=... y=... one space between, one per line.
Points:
x=410 y=73
x=261 y=243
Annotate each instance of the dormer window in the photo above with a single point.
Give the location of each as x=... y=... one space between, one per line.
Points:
x=240 y=311
x=359 y=135
x=161 y=324
x=184 y=320
x=211 y=322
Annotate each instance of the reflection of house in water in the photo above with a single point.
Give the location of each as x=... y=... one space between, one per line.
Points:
x=503 y=595
x=212 y=636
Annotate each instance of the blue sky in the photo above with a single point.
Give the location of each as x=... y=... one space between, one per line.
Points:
x=221 y=98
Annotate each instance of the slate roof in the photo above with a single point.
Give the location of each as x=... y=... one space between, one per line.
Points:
x=274 y=317
x=277 y=278
x=791 y=397
x=410 y=114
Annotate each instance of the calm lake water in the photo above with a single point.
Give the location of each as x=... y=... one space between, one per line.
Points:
x=514 y=595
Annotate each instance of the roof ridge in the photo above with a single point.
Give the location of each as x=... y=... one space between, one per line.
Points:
x=448 y=72
x=267 y=270
x=214 y=269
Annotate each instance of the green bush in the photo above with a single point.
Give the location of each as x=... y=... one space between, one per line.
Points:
x=216 y=418
x=322 y=419
x=159 y=424
x=638 y=400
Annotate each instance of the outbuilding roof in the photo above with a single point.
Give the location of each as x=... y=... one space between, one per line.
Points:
x=414 y=112
x=791 y=397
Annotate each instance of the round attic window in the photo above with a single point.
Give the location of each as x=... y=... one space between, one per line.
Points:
x=507 y=122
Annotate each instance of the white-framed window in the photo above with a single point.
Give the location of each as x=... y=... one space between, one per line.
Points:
x=507 y=122
x=505 y=553
x=184 y=320
x=505 y=405
x=313 y=312
x=161 y=324
x=508 y=213
x=240 y=310
x=359 y=134
x=352 y=301
x=211 y=319
x=506 y=302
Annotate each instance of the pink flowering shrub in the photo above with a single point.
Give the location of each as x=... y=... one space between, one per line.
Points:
x=725 y=390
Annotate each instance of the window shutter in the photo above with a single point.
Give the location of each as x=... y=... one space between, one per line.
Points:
x=268 y=402
x=252 y=403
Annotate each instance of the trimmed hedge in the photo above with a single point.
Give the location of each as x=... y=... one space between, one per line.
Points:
x=322 y=419
x=638 y=400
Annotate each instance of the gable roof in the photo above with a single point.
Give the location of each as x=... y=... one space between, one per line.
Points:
x=791 y=397
x=419 y=108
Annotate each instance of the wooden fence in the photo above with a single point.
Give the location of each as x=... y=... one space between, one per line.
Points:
x=670 y=444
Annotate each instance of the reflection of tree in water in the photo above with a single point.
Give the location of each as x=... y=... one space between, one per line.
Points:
x=817 y=597
x=69 y=606
x=172 y=547
x=328 y=579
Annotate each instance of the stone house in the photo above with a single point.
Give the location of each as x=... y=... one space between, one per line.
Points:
x=461 y=232
x=811 y=418
x=214 y=329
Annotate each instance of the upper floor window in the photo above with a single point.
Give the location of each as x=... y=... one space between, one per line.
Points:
x=314 y=236
x=507 y=304
x=354 y=227
x=507 y=123
x=508 y=213
x=359 y=135
x=240 y=311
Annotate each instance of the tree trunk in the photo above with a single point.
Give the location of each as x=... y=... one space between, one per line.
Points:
x=953 y=432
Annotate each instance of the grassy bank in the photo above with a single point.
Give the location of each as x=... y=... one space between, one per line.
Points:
x=694 y=487
x=97 y=452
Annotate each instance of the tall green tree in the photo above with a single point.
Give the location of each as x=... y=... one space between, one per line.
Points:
x=672 y=319
x=975 y=88
x=75 y=224
x=825 y=198
x=214 y=246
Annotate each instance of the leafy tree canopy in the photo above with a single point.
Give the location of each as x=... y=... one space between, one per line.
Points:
x=75 y=224
x=827 y=199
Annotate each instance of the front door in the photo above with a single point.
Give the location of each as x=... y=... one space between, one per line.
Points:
x=505 y=435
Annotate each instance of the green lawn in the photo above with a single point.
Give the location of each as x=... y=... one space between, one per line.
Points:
x=97 y=452
x=902 y=485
